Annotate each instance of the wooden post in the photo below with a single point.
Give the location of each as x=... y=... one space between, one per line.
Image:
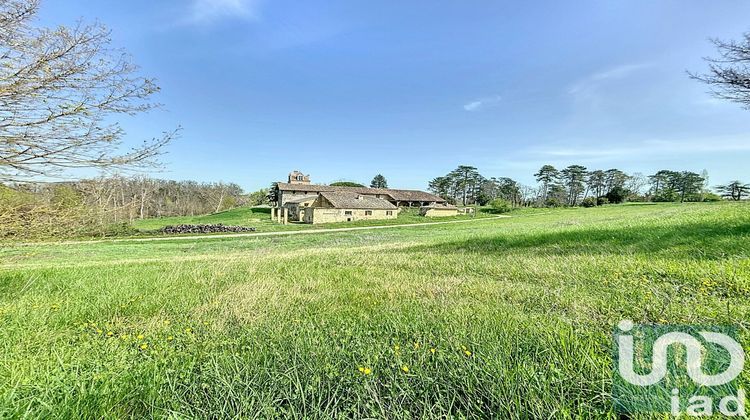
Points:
x=286 y=215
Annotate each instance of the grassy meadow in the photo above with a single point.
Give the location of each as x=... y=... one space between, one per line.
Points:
x=500 y=318
x=260 y=218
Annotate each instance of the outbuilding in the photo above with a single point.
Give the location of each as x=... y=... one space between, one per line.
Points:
x=439 y=210
x=339 y=206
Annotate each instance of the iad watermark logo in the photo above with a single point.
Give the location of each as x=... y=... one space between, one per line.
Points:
x=680 y=369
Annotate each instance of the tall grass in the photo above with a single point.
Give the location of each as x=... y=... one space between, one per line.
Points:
x=498 y=318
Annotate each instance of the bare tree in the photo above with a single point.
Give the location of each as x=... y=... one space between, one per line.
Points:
x=59 y=90
x=729 y=74
x=636 y=183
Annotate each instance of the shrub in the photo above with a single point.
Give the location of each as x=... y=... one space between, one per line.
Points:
x=552 y=202
x=602 y=201
x=499 y=205
x=711 y=197
x=28 y=216
x=589 y=202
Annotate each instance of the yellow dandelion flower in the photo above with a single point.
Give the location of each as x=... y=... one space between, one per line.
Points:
x=188 y=330
x=140 y=337
x=143 y=346
x=110 y=333
x=432 y=350
x=99 y=331
x=368 y=371
x=405 y=368
x=396 y=347
x=467 y=353
x=416 y=346
x=362 y=369
x=170 y=338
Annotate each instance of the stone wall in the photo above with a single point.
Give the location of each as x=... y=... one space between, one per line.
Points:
x=297 y=210
x=439 y=212
x=317 y=215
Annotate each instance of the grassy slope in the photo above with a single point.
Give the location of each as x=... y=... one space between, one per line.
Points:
x=242 y=216
x=519 y=312
x=260 y=218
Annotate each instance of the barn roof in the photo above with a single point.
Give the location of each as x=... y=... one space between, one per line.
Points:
x=396 y=195
x=350 y=200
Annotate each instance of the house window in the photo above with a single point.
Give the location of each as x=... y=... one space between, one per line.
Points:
x=299 y=178
x=389 y=213
x=368 y=212
x=347 y=213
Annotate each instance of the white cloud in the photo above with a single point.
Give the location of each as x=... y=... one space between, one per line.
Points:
x=480 y=103
x=648 y=148
x=207 y=11
x=595 y=80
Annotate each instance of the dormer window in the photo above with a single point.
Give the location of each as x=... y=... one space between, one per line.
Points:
x=300 y=178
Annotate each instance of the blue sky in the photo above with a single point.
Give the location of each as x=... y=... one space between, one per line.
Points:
x=346 y=89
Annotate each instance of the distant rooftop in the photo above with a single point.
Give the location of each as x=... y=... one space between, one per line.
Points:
x=394 y=194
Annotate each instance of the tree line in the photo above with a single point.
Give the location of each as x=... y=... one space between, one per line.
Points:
x=99 y=206
x=465 y=185
x=577 y=185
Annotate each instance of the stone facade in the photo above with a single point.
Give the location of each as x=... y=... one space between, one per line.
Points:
x=298 y=207
x=439 y=210
x=286 y=196
x=299 y=187
x=436 y=212
x=317 y=215
x=332 y=207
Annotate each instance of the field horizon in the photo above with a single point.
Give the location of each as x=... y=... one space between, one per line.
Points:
x=500 y=317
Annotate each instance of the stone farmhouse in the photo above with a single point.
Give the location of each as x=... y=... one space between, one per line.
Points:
x=342 y=206
x=300 y=200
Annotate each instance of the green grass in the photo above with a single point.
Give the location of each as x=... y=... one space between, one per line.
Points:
x=519 y=312
x=260 y=218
